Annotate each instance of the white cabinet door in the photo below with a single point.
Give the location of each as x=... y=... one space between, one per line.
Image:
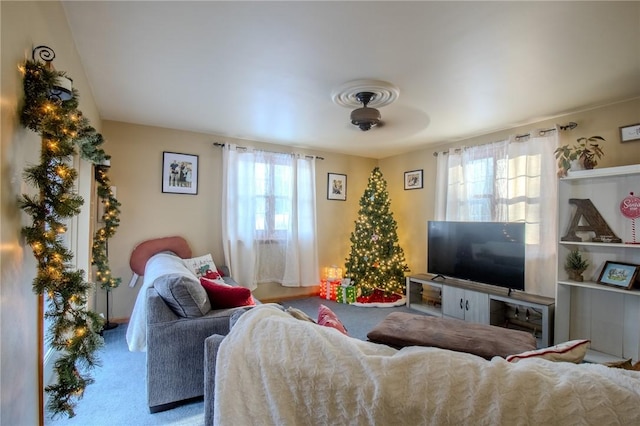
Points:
x=464 y=304
x=453 y=302
x=476 y=307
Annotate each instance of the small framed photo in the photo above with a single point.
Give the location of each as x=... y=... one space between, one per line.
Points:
x=413 y=179
x=618 y=274
x=179 y=173
x=336 y=187
x=630 y=133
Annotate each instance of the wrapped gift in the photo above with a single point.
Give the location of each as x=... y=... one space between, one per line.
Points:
x=329 y=288
x=346 y=294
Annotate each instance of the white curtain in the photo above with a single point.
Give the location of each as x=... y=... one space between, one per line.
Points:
x=268 y=217
x=507 y=181
x=472 y=189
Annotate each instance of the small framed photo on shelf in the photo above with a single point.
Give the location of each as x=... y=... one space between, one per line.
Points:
x=336 y=187
x=413 y=179
x=618 y=274
x=630 y=133
x=179 y=173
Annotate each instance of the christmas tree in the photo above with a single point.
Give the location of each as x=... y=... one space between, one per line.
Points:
x=376 y=263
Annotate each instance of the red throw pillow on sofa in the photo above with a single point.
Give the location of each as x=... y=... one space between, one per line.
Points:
x=226 y=296
x=328 y=318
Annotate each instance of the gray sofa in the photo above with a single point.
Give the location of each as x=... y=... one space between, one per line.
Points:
x=175 y=351
x=211 y=345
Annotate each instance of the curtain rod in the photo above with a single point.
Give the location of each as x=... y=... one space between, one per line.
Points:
x=569 y=126
x=272 y=152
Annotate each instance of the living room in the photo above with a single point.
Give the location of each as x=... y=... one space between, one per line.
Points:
x=136 y=151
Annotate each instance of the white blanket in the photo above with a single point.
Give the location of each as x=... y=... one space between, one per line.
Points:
x=273 y=369
x=157 y=265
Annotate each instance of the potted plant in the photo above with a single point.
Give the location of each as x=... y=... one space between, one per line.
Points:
x=586 y=152
x=575 y=265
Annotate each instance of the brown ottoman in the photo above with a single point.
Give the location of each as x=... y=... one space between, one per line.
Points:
x=400 y=329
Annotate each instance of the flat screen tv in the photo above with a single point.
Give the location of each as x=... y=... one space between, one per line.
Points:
x=484 y=252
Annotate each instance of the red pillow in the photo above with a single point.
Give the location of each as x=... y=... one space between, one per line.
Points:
x=328 y=318
x=226 y=296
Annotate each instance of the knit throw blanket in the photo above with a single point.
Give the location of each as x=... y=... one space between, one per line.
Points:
x=274 y=369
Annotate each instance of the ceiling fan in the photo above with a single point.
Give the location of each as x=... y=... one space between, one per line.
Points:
x=365 y=118
x=363 y=93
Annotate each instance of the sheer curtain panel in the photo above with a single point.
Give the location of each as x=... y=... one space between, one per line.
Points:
x=268 y=217
x=507 y=181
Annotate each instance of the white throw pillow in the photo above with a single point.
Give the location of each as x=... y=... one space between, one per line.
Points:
x=201 y=264
x=571 y=351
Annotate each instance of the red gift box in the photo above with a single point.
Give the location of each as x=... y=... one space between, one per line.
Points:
x=329 y=289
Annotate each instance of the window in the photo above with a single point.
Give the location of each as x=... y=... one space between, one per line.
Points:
x=479 y=176
x=273 y=184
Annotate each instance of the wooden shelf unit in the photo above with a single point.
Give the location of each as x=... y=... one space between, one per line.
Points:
x=608 y=316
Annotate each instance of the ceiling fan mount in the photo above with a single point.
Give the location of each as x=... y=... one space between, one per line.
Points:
x=366 y=117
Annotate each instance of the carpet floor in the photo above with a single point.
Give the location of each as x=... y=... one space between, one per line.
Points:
x=118 y=396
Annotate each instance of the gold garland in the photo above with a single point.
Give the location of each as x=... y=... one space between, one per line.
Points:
x=74 y=330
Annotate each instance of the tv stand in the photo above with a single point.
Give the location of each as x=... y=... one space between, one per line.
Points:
x=484 y=304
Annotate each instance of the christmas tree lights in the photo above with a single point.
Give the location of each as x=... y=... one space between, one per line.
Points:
x=74 y=330
x=376 y=261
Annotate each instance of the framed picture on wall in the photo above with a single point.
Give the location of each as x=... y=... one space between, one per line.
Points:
x=413 y=179
x=179 y=173
x=630 y=133
x=336 y=187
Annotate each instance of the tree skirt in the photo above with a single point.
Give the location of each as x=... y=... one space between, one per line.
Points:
x=399 y=302
x=379 y=300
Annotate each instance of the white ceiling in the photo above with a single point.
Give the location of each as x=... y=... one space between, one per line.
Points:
x=266 y=71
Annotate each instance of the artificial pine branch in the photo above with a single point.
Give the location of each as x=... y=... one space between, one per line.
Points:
x=111 y=222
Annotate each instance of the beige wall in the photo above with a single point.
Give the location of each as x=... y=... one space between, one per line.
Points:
x=25 y=25
x=412 y=209
x=146 y=212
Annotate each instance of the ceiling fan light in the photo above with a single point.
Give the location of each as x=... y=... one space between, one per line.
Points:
x=365 y=118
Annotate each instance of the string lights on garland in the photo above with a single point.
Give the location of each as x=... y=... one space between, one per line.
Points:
x=111 y=219
x=376 y=263
x=50 y=109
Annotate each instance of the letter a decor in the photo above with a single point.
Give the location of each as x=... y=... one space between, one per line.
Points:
x=594 y=223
